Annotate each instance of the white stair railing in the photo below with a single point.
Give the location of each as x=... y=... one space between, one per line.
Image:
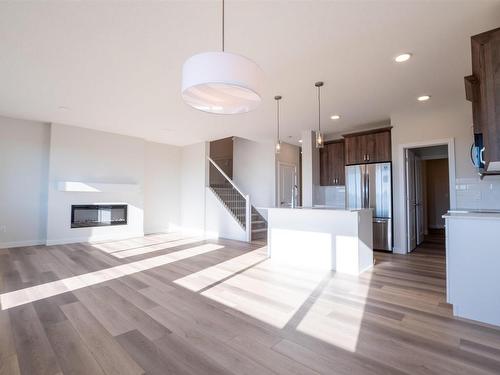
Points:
x=232 y=198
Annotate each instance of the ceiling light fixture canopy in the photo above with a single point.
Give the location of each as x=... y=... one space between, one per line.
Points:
x=278 y=141
x=319 y=137
x=221 y=82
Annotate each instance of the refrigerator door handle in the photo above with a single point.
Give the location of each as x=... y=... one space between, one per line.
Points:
x=367 y=188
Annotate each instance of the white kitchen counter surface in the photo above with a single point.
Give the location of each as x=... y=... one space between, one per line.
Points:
x=475 y=215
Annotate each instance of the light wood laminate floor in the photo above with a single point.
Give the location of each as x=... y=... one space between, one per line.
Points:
x=166 y=304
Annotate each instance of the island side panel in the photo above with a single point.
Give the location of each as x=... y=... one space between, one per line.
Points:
x=315 y=238
x=365 y=238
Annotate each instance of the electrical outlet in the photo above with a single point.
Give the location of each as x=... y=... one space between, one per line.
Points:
x=3 y=228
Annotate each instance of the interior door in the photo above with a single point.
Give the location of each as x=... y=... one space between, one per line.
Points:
x=287 y=181
x=410 y=200
x=419 y=200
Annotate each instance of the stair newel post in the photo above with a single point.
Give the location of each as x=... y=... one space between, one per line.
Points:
x=248 y=218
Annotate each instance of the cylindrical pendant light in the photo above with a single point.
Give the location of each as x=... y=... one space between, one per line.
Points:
x=319 y=137
x=221 y=82
x=278 y=141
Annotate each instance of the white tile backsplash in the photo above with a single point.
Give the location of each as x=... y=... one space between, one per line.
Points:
x=474 y=193
x=332 y=196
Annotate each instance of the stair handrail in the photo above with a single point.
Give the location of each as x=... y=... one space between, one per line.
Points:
x=226 y=176
x=248 y=206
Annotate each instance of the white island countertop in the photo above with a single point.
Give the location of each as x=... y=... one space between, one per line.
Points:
x=321 y=238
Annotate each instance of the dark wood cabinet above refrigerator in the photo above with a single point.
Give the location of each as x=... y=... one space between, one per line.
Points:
x=371 y=146
x=483 y=90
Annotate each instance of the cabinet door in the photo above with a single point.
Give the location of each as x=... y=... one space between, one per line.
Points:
x=491 y=135
x=379 y=147
x=324 y=167
x=369 y=147
x=337 y=162
x=353 y=152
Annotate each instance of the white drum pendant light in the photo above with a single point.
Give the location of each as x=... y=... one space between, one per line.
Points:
x=221 y=82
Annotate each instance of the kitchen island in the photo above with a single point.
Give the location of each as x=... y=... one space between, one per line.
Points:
x=321 y=238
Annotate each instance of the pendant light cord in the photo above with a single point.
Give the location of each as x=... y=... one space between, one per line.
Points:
x=278 y=98
x=222 y=25
x=278 y=118
x=319 y=109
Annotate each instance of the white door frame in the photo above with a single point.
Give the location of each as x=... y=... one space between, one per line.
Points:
x=283 y=163
x=450 y=142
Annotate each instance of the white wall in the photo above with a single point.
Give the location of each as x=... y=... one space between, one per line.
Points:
x=35 y=157
x=162 y=187
x=193 y=181
x=254 y=170
x=78 y=154
x=24 y=153
x=427 y=124
x=219 y=221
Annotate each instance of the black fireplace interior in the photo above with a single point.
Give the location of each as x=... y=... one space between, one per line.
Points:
x=98 y=215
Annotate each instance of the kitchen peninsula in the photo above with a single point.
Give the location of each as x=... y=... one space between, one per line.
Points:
x=321 y=238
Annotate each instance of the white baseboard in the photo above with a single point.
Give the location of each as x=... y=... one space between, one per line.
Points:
x=124 y=236
x=7 y=245
x=158 y=230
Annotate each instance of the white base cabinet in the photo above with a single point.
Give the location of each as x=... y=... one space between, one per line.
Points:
x=473 y=265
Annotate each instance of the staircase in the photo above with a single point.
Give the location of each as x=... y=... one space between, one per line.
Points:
x=235 y=203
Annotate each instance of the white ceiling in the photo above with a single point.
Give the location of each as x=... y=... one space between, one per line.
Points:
x=117 y=66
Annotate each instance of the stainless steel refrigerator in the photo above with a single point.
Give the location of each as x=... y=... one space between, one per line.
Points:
x=369 y=186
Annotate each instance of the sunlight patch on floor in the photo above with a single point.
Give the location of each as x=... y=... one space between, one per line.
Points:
x=152 y=248
x=133 y=243
x=258 y=292
x=208 y=276
x=38 y=292
x=335 y=322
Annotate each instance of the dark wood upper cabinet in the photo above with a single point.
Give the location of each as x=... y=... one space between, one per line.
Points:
x=483 y=90
x=373 y=146
x=332 y=164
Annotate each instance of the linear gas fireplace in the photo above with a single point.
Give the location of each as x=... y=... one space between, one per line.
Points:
x=98 y=215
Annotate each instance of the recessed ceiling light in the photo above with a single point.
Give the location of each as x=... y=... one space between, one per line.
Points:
x=63 y=108
x=335 y=117
x=423 y=98
x=403 y=57
x=300 y=140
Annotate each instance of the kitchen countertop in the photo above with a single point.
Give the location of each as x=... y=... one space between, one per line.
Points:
x=473 y=214
x=317 y=208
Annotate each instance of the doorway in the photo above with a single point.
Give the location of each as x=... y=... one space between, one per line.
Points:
x=287 y=184
x=427 y=193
